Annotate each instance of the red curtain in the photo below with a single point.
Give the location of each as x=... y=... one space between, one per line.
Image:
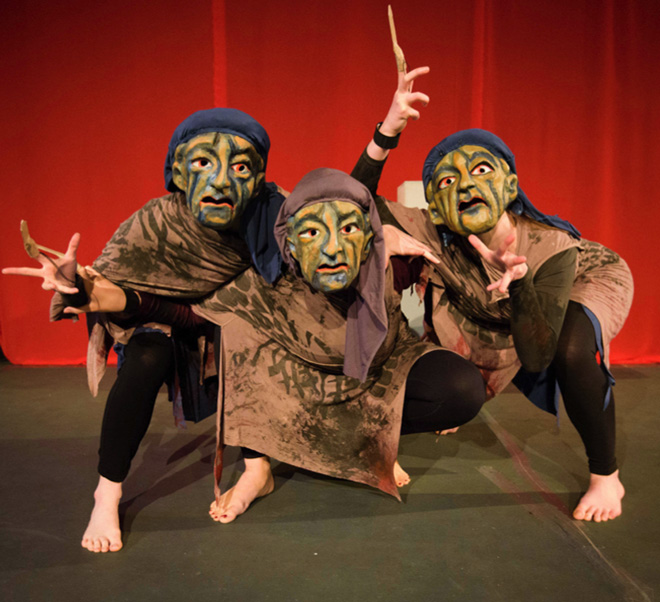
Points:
x=94 y=92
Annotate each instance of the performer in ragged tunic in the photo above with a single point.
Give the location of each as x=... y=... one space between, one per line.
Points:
x=521 y=295
x=322 y=371
x=215 y=223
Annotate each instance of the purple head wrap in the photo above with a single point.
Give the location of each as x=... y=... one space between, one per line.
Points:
x=367 y=323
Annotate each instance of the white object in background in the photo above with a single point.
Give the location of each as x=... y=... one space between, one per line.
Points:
x=411 y=194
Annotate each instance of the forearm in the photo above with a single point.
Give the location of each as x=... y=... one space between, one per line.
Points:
x=405 y=271
x=368 y=171
x=538 y=307
x=534 y=337
x=145 y=307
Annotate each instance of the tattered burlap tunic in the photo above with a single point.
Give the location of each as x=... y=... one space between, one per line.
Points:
x=474 y=322
x=161 y=249
x=283 y=392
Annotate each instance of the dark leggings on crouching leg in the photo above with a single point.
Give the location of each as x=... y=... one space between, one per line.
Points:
x=443 y=391
x=583 y=385
x=149 y=359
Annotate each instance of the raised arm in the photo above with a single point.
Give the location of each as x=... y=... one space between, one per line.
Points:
x=369 y=166
x=400 y=111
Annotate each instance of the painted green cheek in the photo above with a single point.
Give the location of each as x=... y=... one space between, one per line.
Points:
x=310 y=258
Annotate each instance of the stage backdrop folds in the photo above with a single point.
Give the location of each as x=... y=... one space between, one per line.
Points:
x=92 y=93
x=570 y=85
x=95 y=89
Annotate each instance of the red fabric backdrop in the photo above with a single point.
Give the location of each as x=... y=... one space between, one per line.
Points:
x=93 y=92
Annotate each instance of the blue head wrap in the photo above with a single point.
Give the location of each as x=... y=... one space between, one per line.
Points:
x=225 y=121
x=261 y=212
x=476 y=137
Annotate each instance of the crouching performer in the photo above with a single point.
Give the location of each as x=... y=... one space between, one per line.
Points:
x=322 y=372
x=216 y=221
x=521 y=295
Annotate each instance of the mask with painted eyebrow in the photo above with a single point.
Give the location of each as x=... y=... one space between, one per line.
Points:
x=220 y=174
x=470 y=190
x=329 y=240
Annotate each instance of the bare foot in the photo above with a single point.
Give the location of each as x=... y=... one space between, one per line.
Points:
x=602 y=501
x=401 y=477
x=103 y=533
x=256 y=481
x=448 y=431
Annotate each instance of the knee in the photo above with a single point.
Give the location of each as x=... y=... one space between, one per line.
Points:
x=467 y=387
x=574 y=355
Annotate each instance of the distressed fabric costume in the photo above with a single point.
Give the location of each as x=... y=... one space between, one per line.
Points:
x=284 y=388
x=475 y=322
x=163 y=249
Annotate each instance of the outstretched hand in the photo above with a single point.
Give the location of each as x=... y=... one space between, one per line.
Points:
x=400 y=243
x=402 y=107
x=58 y=274
x=514 y=266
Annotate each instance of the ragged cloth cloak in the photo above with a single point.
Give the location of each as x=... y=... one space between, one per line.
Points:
x=312 y=379
x=283 y=390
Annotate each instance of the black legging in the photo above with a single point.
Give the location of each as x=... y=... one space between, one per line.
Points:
x=583 y=385
x=149 y=359
x=443 y=390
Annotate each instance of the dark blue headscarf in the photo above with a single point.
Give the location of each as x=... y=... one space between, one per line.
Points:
x=261 y=212
x=476 y=137
x=225 y=121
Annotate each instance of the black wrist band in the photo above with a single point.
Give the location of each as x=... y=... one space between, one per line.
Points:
x=77 y=299
x=386 y=142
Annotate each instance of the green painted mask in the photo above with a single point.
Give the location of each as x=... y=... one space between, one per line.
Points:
x=470 y=190
x=220 y=174
x=329 y=240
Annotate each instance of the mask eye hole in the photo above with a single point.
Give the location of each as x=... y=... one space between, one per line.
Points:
x=350 y=229
x=446 y=181
x=482 y=169
x=241 y=168
x=308 y=234
x=200 y=162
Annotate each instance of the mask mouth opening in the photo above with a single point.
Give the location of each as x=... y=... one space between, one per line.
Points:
x=326 y=268
x=221 y=202
x=470 y=203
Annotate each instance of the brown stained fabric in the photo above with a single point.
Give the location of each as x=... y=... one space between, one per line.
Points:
x=474 y=322
x=164 y=250
x=283 y=391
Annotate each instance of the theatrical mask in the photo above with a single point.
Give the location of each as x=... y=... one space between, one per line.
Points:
x=329 y=240
x=470 y=190
x=220 y=174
